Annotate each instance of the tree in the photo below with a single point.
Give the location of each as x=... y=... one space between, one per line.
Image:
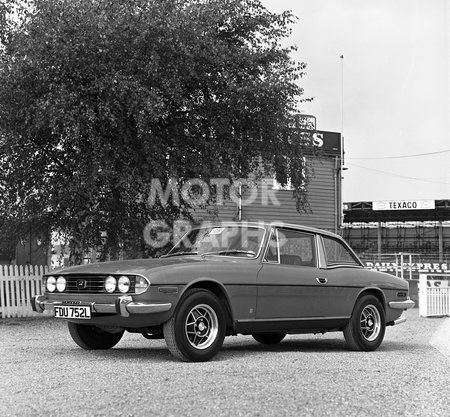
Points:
x=99 y=97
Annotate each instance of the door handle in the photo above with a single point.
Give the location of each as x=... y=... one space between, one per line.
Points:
x=322 y=280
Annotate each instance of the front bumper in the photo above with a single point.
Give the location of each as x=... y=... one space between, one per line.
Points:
x=124 y=306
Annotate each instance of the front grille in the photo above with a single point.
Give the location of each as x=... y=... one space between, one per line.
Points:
x=93 y=284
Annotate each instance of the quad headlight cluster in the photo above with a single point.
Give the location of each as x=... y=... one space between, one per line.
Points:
x=110 y=284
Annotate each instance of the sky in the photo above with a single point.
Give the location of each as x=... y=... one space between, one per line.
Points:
x=389 y=95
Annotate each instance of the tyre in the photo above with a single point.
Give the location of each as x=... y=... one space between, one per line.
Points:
x=365 y=330
x=269 y=338
x=92 y=337
x=196 y=330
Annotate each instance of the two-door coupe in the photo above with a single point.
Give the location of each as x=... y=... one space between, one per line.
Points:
x=267 y=280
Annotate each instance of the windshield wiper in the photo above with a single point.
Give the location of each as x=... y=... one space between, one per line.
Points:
x=231 y=252
x=179 y=254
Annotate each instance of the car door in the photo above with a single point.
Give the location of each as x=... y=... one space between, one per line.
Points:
x=290 y=284
x=344 y=276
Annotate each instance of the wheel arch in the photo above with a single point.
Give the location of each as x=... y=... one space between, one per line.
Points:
x=219 y=291
x=377 y=292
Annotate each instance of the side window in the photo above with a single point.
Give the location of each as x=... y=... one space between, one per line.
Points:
x=272 y=251
x=336 y=253
x=291 y=247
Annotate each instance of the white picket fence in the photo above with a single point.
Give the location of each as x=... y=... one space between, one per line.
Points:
x=18 y=284
x=434 y=295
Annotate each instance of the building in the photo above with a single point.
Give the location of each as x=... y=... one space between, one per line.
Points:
x=268 y=201
x=380 y=227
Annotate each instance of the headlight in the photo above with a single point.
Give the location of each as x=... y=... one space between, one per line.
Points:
x=51 y=284
x=61 y=284
x=124 y=284
x=110 y=284
x=141 y=285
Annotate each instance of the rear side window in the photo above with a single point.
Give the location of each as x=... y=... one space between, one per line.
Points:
x=337 y=254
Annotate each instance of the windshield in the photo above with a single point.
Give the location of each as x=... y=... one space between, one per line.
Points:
x=238 y=241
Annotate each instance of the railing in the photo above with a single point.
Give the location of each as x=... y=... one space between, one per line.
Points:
x=18 y=284
x=434 y=295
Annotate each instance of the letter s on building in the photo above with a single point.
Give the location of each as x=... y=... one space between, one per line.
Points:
x=318 y=139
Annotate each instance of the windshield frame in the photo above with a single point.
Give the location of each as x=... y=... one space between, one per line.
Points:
x=225 y=225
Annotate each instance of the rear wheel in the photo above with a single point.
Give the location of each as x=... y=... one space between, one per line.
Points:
x=365 y=330
x=196 y=330
x=269 y=338
x=93 y=337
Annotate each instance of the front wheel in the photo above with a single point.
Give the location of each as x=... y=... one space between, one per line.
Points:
x=92 y=337
x=269 y=338
x=196 y=330
x=365 y=330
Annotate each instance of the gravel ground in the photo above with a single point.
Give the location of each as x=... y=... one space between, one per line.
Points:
x=45 y=373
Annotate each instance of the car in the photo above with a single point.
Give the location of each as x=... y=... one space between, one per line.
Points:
x=261 y=279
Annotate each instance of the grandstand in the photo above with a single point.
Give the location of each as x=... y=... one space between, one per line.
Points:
x=412 y=232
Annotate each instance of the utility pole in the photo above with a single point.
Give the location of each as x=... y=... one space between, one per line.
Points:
x=341 y=165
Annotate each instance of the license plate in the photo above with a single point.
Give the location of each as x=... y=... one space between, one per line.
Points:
x=73 y=312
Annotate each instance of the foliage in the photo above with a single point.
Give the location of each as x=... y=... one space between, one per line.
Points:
x=97 y=97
